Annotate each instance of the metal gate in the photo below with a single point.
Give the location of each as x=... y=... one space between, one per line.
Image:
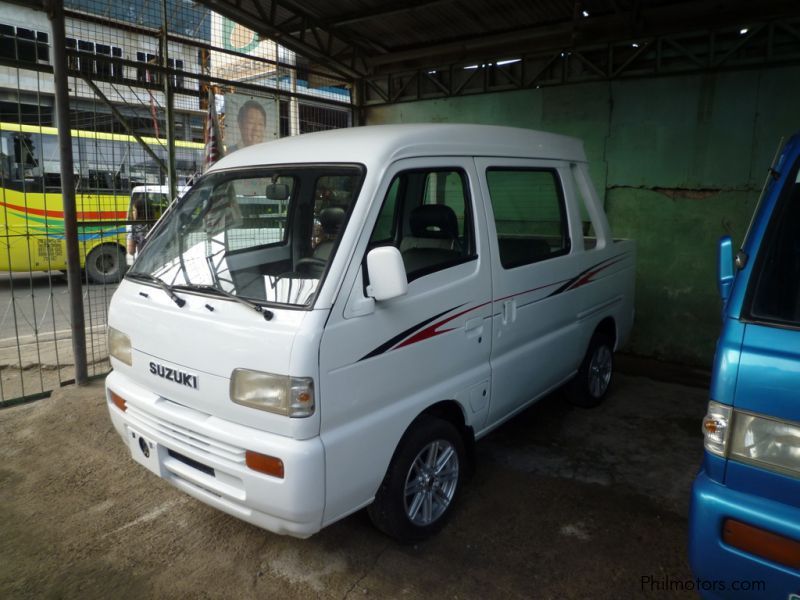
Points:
x=131 y=85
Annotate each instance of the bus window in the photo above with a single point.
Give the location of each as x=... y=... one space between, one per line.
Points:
x=147 y=206
x=25 y=151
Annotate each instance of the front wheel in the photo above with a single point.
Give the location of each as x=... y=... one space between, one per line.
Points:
x=422 y=483
x=106 y=264
x=590 y=385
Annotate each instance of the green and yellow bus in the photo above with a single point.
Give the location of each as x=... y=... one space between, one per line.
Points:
x=107 y=167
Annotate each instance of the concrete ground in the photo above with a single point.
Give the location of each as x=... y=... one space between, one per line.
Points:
x=565 y=503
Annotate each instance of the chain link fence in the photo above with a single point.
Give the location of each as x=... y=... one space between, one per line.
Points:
x=138 y=71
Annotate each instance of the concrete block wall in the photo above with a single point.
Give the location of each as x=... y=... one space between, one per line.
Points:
x=679 y=160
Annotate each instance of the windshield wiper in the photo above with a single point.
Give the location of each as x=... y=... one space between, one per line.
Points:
x=168 y=289
x=204 y=287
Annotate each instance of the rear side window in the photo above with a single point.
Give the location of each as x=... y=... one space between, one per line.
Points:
x=776 y=287
x=426 y=215
x=529 y=215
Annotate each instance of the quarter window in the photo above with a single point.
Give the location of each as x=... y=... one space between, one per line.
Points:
x=529 y=215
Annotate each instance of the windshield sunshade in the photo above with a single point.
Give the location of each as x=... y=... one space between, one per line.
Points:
x=265 y=235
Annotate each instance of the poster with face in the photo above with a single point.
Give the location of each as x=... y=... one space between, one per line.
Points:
x=249 y=120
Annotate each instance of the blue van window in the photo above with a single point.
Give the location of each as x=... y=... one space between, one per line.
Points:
x=776 y=295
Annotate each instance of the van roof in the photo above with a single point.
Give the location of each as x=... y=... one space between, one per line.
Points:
x=380 y=144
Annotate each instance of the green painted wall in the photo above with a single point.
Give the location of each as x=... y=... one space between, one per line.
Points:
x=681 y=161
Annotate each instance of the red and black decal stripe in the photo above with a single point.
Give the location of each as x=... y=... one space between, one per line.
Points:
x=428 y=328
x=401 y=336
x=434 y=330
x=587 y=276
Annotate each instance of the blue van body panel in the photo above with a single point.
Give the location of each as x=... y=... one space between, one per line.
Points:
x=714 y=561
x=726 y=361
x=756 y=369
x=714 y=466
x=750 y=479
x=769 y=372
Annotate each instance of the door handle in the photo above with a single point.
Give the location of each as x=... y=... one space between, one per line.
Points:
x=474 y=327
x=509 y=311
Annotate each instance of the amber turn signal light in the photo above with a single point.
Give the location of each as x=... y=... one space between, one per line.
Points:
x=764 y=544
x=264 y=464
x=118 y=401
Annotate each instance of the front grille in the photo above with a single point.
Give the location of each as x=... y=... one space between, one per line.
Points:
x=192 y=463
x=186 y=437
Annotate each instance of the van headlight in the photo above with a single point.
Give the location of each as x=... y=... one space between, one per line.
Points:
x=289 y=396
x=119 y=346
x=766 y=442
x=762 y=441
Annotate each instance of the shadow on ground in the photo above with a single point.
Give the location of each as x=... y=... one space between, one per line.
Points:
x=565 y=503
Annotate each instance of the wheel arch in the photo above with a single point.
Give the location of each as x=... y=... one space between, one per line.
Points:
x=445 y=418
x=454 y=413
x=608 y=327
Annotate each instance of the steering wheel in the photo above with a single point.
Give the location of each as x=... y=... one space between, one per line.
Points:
x=311 y=264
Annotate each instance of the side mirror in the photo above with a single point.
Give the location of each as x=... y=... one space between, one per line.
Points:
x=277 y=191
x=387 y=273
x=725 y=267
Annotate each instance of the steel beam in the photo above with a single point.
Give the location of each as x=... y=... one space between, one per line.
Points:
x=55 y=13
x=769 y=44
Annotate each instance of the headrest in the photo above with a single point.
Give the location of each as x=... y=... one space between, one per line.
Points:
x=434 y=221
x=331 y=219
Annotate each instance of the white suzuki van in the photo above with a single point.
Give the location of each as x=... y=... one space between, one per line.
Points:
x=329 y=321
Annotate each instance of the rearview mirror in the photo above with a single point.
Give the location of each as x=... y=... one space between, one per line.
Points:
x=387 y=273
x=277 y=191
x=725 y=267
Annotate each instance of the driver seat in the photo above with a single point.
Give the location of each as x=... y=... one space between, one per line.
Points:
x=331 y=220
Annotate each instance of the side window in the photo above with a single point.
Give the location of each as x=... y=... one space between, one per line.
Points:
x=155 y=205
x=529 y=214
x=426 y=214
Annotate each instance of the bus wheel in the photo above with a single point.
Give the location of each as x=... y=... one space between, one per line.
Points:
x=106 y=264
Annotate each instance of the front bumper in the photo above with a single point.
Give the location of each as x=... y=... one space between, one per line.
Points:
x=729 y=572
x=205 y=457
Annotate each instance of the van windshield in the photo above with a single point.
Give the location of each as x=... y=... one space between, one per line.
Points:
x=775 y=294
x=266 y=235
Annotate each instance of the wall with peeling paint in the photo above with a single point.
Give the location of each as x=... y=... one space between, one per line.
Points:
x=681 y=161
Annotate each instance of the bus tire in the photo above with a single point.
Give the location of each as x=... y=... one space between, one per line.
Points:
x=106 y=264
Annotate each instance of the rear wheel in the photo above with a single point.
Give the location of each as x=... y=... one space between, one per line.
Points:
x=106 y=264
x=422 y=483
x=590 y=385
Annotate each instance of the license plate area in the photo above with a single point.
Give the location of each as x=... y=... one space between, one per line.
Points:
x=146 y=452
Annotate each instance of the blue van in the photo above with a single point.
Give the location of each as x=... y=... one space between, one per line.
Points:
x=744 y=525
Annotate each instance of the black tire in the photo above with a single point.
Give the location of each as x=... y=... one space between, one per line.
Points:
x=106 y=264
x=428 y=440
x=593 y=380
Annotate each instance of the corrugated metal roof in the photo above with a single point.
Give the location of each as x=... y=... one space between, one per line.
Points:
x=368 y=36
